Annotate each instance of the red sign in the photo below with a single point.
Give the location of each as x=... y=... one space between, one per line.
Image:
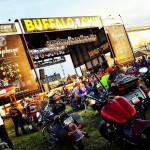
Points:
x=7 y=91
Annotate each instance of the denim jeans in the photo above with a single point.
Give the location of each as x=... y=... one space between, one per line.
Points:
x=74 y=104
x=18 y=122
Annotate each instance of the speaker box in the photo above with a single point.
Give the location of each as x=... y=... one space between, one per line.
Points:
x=42 y=73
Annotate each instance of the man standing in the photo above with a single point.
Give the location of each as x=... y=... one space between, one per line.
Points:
x=16 y=116
x=3 y=132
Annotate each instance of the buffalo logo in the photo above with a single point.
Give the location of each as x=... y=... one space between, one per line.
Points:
x=77 y=21
x=2 y=41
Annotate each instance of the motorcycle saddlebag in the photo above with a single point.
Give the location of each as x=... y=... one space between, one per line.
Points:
x=59 y=131
x=78 y=119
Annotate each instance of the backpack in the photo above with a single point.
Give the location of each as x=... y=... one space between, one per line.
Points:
x=32 y=108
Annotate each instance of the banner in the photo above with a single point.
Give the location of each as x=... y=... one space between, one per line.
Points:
x=14 y=66
x=110 y=21
x=94 y=52
x=8 y=28
x=120 y=43
x=55 y=24
x=7 y=91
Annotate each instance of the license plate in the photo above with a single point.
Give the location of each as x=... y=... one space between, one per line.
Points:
x=68 y=120
x=135 y=100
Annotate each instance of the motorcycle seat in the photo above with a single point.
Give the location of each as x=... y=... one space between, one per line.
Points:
x=140 y=126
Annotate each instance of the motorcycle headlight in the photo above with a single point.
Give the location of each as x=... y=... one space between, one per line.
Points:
x=37 y=114
x=92 y=102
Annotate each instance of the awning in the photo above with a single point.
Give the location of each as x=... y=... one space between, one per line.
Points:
x=142 y=52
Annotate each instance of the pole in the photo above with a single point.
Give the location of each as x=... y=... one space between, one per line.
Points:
x=76 y=71
x=99 y=81
x=127 y=36
x=28 y=51
x=62 y=69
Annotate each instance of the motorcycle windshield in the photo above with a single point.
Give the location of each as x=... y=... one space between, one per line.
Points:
x=118 y=110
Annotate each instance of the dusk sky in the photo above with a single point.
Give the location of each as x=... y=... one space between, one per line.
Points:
x=134 y=13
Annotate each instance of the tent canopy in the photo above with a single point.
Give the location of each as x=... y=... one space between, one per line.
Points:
x=142 y=52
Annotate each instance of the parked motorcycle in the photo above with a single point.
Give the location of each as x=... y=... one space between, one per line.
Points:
x=121 y=124
x=60 y=127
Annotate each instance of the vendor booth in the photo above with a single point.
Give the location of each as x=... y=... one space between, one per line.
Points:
x=32 y=43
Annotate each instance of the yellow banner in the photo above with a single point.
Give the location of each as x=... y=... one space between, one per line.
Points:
x=54 y=24
x=120 y=43
x=94 y=52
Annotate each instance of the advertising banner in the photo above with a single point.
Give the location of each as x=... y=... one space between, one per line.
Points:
x=120 y=43
x=14 y=66
x=56 y=24
x=7 y=91
x=8 y=28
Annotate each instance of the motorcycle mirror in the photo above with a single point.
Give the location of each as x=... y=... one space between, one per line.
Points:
x=143 y=70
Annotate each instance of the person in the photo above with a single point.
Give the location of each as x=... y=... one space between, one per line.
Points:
x=117 y=71
x=31 y=108
x=144 y=62
x=136 y=65
x=16 y=116
x=23 y=104
x=75 y=96
x=3 y=132
x=105 y=77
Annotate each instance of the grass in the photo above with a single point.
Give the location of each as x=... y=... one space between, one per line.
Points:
x=34 y=141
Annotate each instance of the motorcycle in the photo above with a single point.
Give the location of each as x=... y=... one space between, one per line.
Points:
x=129 y=87
x=121 y=124
x=60 y=127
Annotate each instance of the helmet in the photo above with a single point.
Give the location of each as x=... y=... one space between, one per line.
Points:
x=109 y=69
x=56 y=98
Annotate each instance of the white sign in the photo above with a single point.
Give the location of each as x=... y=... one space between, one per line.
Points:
x=71 y=41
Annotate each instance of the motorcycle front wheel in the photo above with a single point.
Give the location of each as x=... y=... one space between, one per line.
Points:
x=79 y=145
x=48 y=136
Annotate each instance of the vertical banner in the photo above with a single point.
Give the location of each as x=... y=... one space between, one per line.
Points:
x=14 y=66
x=120 y=43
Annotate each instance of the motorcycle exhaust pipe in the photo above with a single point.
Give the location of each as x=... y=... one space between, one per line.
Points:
x=85 y=134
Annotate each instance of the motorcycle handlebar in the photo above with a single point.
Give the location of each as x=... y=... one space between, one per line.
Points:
x=61 y=115
x=102 y=101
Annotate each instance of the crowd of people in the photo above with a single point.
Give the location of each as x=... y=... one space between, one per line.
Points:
x=18 y=114
x=103 y=78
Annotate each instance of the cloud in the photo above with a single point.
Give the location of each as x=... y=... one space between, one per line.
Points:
x=134 y=13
